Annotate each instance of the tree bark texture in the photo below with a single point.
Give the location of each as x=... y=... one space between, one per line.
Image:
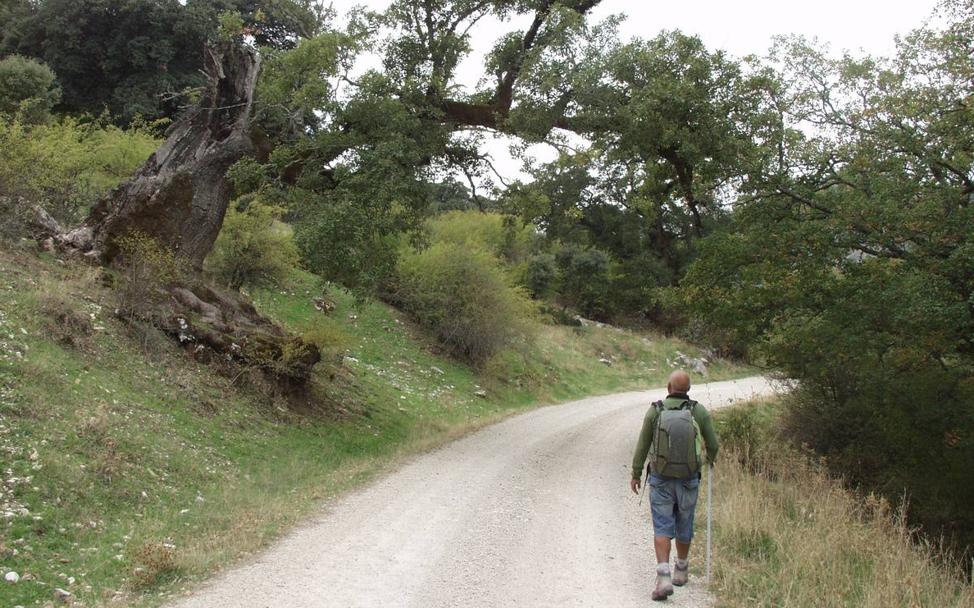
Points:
x=180 y=195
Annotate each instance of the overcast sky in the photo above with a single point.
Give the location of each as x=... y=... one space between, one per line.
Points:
x=740 y=27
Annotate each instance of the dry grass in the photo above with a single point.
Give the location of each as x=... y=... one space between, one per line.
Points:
x=788 y=535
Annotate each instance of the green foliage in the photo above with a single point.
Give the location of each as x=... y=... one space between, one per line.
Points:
x=231 y=26
x=276 y=24
x=27 y=88
x=584 y=281
x=672 y=125
x=502 y=236
x=142 y=57
x=750 y=431
x=465 y=298
x=65 y=166
x=107 y=55
x=350 y=219
x=295 y=87
x=253 y=248
x=849 y=266
x=541 y=274
x=450 y=195
x=147 y=270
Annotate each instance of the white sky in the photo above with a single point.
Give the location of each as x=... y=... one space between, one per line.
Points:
x=740 y=27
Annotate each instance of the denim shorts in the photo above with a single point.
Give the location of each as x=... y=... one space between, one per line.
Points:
x=672 y=502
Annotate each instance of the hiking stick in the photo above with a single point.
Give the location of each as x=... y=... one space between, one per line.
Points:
x=710 y=514
x=642 y=490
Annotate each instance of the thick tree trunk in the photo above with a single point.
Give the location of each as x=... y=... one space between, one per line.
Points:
x=180 y=195
x=179 y=198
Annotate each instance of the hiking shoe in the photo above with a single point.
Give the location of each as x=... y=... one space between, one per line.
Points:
x=664 y=586
x=681 y=575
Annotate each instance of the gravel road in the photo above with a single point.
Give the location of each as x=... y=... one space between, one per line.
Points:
x=534 y=511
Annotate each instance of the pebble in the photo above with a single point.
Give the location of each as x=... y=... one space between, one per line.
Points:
x=11 y=577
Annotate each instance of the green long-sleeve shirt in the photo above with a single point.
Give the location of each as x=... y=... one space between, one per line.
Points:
x=674 y=401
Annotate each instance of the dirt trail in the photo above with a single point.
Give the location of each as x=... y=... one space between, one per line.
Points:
x=534 y=511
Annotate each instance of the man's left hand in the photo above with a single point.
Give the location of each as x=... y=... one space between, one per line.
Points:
x=634 y=484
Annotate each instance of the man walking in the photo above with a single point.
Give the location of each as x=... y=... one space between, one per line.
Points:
x=671 y=435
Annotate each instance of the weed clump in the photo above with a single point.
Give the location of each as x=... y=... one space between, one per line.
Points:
x=156 y=562
x=148 y=269
x=67 y=325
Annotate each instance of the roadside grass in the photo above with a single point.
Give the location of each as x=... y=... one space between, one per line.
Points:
x=130 y=472
x=789 y=535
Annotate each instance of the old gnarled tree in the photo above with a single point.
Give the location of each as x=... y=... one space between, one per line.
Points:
x=179 y=198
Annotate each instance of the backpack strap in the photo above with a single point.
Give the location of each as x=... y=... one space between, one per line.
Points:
x=658 y=406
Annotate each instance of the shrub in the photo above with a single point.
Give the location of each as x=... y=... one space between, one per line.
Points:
x=464 y=297
x=541 y=274
x=253 y=248
x=156 y=562
x=329 y=338
x=500 y=235
x=27 y=86
x=147 y=269
x=748 y=431
x=64 y=166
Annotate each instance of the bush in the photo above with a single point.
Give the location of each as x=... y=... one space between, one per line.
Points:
x=749 y=431
x=464 y=297
x=148 y=268
x=156 y=563
x=541 y=274
x=64 y=166
x=502 y=236
x=329 y=338
x=253 y=248
x=28 y=87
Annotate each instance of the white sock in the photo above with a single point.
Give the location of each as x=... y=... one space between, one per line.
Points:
x=663 y=569
x=682 y=563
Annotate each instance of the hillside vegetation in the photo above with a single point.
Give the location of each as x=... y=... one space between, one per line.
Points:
x=131 y=470
x=789 y=535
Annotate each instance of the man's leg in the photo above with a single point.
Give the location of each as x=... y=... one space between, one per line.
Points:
x=686 y=504
x=662 y=500
x=662 y=544
x=681 y=569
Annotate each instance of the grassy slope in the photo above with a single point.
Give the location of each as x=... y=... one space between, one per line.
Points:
x=788 y=535
x=142 y=471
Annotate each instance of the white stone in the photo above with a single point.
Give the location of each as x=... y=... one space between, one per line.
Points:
x=62 y=595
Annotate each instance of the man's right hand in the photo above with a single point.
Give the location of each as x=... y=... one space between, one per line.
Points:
x=634 y=484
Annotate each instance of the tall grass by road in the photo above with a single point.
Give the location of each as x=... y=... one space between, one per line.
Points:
x=790 y=536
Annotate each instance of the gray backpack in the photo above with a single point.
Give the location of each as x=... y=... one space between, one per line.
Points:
x=676 y=442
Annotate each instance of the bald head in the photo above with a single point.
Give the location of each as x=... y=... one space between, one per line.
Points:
x=679 y=382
